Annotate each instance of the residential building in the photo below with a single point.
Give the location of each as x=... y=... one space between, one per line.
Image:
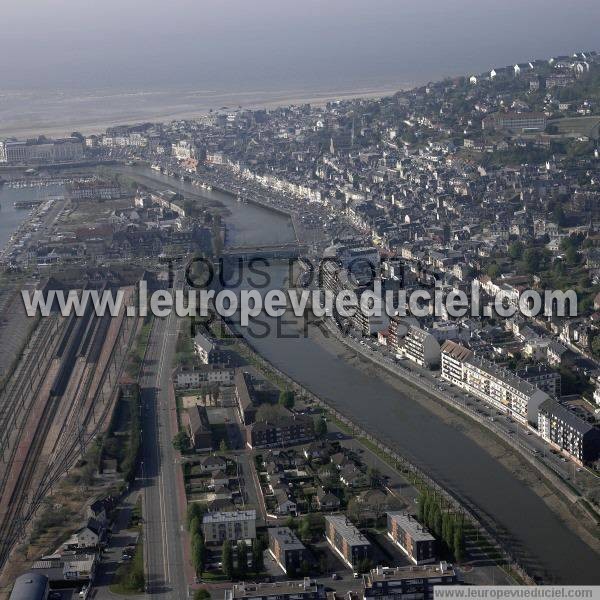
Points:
x=410 y=583
x=569 y=433
x=281 y=431
x=41 y=150
x=347 y=541
x=411 y=537
x=196 y=423
x=543 y=377
x=421 y=347
x=523 y=122
x=196 y=376
x=287 y=550
x=233 y=526
x=244 y=393
x=493 y=384
x=208 y=350
x=307 y=589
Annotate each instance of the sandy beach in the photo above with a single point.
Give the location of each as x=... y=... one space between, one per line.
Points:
x=59 y=113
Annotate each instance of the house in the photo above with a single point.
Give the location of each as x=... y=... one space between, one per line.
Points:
x=212 y=463
x=219 y=478
x=352 y=476
x=284 y=505
x=327 y=500
x=88 y=536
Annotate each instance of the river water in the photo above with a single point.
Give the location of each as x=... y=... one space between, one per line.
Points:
x=11 y=217
x=445 y=452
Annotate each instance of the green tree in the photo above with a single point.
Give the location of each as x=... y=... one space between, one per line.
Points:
x=194 y=526
x=195 y=511
x=515 y=250
x=459 y=544
x=201 y=595
x=364 y=565
x=198 y=554
x=286 y=399
x=182 y=442
x=304 y=529
x=258 y=561
x=223 y=447
x=242 y=559
x=374 y=477
x=320 y=427
x=227 y=559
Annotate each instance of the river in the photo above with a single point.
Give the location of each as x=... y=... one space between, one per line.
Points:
x=11 y=217
x=445 y=452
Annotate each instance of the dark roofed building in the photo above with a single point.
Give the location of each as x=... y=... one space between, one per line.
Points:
x=30 y=586
x=281 y=431
x=568 y=432
x=244 y=392
x=198 y=428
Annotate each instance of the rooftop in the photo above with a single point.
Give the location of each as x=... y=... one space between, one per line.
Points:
x=347 y=530
x=411 y=526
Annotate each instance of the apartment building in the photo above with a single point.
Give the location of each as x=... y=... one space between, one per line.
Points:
x=568 y=433
x=42 y=150
x=196 y=376
x=208 y=350
x=527 y=121
x=233 y=526
x=421 y=347
x=411 y=537
x=307 y=589
x=196 y=423
x=347 y=541
x=287 y=550
x=244 y=394
x=543 y=377
x=282 y=431
x=493 y=384
x=410 y=583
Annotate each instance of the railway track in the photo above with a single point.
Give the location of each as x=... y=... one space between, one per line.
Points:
x=24 y=501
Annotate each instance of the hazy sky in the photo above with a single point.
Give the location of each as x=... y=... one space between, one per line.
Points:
x=241 y=44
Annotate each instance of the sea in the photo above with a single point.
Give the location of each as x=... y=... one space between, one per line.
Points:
x=85 y=66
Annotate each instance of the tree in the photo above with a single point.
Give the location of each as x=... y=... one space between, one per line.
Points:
x=195 y=511
x=201 y=595
x=198 y=554
x=374 y=477
x=459 y=544
x=258 y=561
x=242 y=559
x=364 y=565
x=227 y=559
x=223 y=447
x=286 y=399
x=194 y=526
x=181 y=442
x=320 y=427
x=304 y=529
x=515 y=250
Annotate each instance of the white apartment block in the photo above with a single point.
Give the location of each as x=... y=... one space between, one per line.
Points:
x=421 y=347
x=495 y=385
x=234 y=525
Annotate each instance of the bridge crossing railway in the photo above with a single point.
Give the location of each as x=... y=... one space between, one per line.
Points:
x=80 y=360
